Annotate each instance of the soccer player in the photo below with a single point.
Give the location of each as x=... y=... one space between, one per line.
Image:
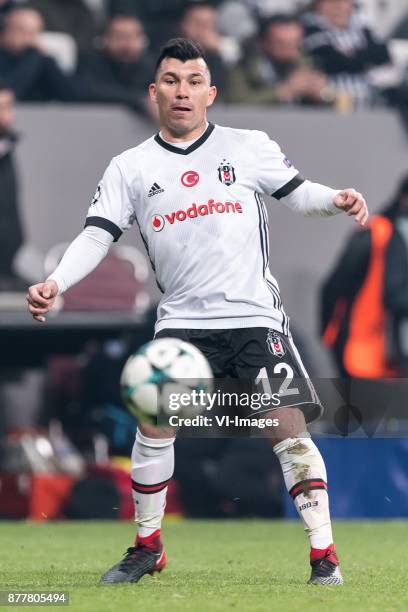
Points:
x=195 y=192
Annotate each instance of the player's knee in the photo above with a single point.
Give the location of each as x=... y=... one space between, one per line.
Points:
x=291 y=424
x=151 y=447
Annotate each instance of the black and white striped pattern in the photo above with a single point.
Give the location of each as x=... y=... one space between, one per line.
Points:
x=346 y=41
x=269 y=279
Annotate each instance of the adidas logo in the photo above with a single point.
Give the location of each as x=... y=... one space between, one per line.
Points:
x=154 y=190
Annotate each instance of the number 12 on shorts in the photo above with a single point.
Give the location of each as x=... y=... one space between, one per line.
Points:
x=285 y=388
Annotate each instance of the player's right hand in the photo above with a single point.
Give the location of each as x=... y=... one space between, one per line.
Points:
x=41 y=298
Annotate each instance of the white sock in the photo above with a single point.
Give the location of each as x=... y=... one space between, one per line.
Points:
x=306 y=480
x=152 y=468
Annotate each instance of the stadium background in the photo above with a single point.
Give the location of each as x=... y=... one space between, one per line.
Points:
x=63 y=150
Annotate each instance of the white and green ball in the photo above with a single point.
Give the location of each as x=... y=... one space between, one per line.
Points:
x=160 y=368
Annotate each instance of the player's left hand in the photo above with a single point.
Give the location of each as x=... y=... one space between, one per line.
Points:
x=352 y=203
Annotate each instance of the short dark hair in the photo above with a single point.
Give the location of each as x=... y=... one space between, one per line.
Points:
x=182 y=49
x=277 y=20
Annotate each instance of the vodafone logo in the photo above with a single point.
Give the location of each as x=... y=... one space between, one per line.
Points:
x=157 y=223
x=196 y=210
x=190 y=178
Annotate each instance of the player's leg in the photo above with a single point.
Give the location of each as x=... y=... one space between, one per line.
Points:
x=152 y=469
x=305 y=478
x=276 y=365
x=153 y=456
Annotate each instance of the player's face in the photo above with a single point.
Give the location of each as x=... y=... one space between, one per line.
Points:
x=182 y=92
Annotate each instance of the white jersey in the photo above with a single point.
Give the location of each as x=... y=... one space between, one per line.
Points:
x=202 y=218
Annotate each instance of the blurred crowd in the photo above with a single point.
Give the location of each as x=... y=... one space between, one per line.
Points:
x=334 y=53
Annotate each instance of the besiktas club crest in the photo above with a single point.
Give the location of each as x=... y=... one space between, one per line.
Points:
x=226 y=173
x=275 y=344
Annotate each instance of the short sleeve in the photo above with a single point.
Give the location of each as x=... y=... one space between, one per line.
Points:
x=111 y=208
x=276 y=175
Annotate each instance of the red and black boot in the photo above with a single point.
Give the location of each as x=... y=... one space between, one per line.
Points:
x=146 y=557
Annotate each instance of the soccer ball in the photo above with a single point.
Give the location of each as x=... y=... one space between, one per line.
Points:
x=161 y=371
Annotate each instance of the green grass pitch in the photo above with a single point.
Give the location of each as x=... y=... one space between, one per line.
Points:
x=213 y=565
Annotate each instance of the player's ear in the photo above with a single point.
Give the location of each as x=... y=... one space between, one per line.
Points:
x=153 y=92
x=211 y=95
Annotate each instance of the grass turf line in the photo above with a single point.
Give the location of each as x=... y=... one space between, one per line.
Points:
x=213 y=565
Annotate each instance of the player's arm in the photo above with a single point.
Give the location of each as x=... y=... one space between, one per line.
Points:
x=313 y=199
x=80 y=259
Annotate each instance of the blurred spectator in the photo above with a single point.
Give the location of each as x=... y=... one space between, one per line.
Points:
x=199 y=22
x=160 y=17
x=11 y=230
x=32 y=75
x=70 y=16
x=344 y=48
x=397 y=96
x=121 y=70
x=275 y=71
x=396 y=278
x=366 y=291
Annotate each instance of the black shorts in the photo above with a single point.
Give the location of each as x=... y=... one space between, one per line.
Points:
x=261 y=359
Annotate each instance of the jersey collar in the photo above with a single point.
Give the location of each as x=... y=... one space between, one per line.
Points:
x=191 y=148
